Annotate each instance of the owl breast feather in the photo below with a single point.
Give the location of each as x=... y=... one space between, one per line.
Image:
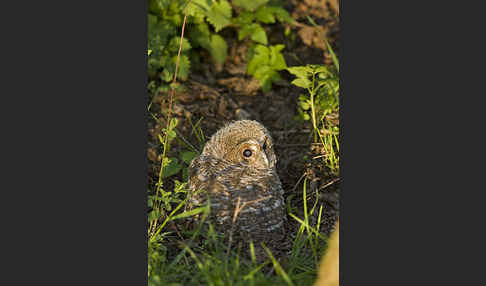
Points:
x=258 y=191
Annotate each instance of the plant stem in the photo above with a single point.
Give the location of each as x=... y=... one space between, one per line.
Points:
x=313 y=111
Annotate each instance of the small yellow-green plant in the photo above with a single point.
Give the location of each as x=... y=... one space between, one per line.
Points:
x=320 y=102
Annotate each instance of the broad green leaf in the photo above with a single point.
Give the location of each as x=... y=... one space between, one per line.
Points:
x=304 y=105
x=244 y=19
x=262 y=50
x=302 y=82
x=171 y=134
x=258 y=61
x=175 y=42
x=277 y=61
x=249 y=5
x=184 y=66
x=166 y=75
x=264 y=14
x=320 y=69
x=218 y=48
x=173 y=123
x=300 y=71
x=198 y=7
x=266 y=75
x=200 y=35
x=173 y=167
x=219 y=15
x=258 y=34
x=282 y=15
x=187 y=156
x=260 y=58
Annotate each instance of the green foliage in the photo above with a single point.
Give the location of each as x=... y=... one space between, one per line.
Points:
x=213 y=43
x=322 y=100
x=322 y=85
x=265 y=63
x=164 y=43
x=165 y=20
x=205 y=19
x=249 y=5
x=218 y=13
x=248 y=21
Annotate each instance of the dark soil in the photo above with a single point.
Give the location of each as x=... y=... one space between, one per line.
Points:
x=221 y=95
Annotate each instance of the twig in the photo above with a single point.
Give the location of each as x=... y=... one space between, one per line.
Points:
x=300 y=179
x=330 y=183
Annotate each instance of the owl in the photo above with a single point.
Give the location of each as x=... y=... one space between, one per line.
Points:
x=236 y=172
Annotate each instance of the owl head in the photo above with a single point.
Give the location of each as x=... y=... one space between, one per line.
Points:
x=244 y=142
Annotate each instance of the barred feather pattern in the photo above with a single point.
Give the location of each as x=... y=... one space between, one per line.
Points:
x=222 y=175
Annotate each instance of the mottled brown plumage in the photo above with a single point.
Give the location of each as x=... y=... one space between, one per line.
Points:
x=238 y=163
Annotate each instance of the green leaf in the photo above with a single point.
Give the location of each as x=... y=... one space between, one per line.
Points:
x=258 y=34
x=304 y=105
x=217 y=48
x=264 y=64
x=166 y=75
x=245 y=31
x=200 y=35
x=171 y=134
x=305 y=116
x=187 y=156
x=249 y=5
x=259 y=59
x=244 y=19
x=171 y=167
x=264 y=14
x=282 y=15
x=302 y=82
x=266 y=75
x=300 y=71
x=219 y=15
x=173 y=123
x=174 y=43
x=198 y=7
x=320 y=69
x=184 y=66
x=277 y=61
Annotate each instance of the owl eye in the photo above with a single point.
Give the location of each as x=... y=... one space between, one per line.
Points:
x=247 y=153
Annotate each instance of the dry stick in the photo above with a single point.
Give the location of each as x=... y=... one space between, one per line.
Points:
x=300 y=179
x=330 y=183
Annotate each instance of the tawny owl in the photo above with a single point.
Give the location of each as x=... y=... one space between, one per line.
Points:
x=238 y=163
